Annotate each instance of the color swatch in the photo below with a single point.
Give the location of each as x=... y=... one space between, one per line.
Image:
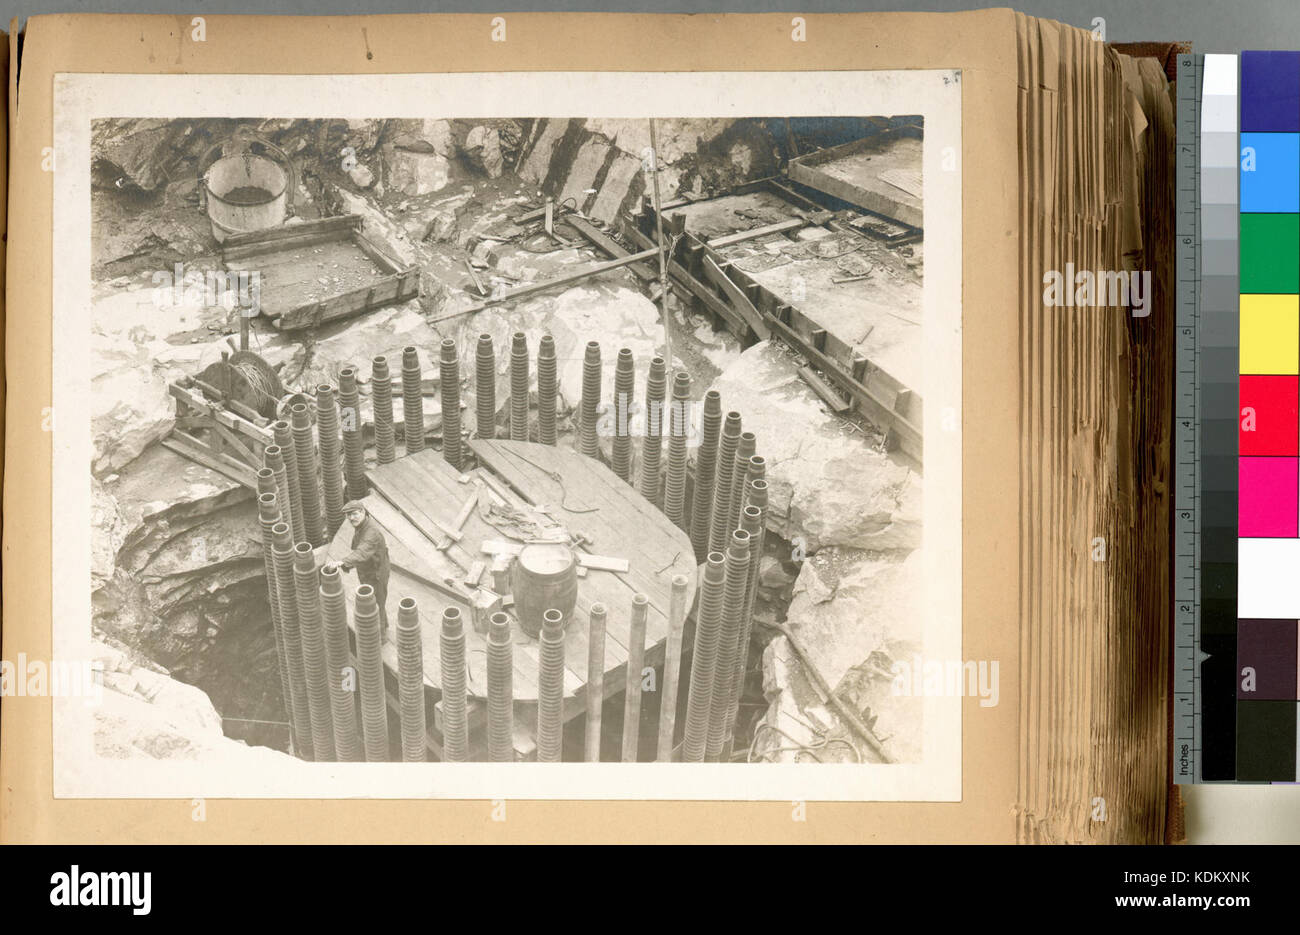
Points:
x=1263 y=639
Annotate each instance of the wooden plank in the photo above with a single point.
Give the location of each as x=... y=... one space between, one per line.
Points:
x=432 y=529
x=564 y=280
x=739 y=301
x=609 y=245
x=780 y=227
x=824 y=390
x=274 y=238
x=196 y=453
x=696 y=288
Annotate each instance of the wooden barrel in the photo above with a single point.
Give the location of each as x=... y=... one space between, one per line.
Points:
x=545 y=576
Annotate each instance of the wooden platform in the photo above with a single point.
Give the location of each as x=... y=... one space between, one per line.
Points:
x=417 y=498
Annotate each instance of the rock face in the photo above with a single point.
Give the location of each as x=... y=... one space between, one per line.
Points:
x=828 y=485
x=855 y=615
x=600 y=163
x=146 y=714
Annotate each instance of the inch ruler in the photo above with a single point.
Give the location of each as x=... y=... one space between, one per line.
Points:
x=1187 y=455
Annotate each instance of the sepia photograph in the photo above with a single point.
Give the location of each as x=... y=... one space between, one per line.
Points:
x=470 y=438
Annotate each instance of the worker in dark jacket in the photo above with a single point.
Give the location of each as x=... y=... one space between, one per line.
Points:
x=369 y=555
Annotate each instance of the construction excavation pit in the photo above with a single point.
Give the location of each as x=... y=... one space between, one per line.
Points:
x=551 y=440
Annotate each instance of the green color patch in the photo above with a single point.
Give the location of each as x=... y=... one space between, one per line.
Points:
x=1270 y=253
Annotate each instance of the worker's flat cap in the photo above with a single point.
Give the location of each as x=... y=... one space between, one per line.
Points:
x=353 y=505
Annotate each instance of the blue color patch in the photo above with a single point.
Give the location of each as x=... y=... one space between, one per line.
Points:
x=1270 y=173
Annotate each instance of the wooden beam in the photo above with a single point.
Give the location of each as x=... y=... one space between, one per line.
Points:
x=565 y=280
x=780 y=227
x=607 y=244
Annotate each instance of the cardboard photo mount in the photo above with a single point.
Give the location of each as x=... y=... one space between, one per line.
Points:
x=983 y=45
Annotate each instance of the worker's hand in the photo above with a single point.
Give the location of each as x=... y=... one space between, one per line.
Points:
x=322 y=554
x=346 y=566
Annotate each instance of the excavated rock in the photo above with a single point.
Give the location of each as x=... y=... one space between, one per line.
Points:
x=828 y=484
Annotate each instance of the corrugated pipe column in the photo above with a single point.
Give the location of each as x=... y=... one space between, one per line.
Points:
x=412 y=401
x=501 y=689
x=740 y=476
x=656 y=385
x=720 y=528
x=274 y=457
x=312 y=630
x=550 y=688
x=485 y=387
x=291 y=508
x=632 y=684
x=452 y=662
x=595 y=680
x=546 y=377
x=756 y=498
x=624 y=388
x=381 y=397
x=706 y=467
x=354 y=450
x=338 y=665
x=751 y=522
x=286 y=594
x=708 y=622
x=675 y=482
x=733 y=608
x=331 y=458
x=518 y=387
x=449 y=391
x=588 y=443
x=672 y=669
x=370 y=675
x=268 y=515
x=304 y=453
x=410 y=682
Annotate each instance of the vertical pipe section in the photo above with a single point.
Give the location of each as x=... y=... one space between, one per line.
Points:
x=675 y=482
x=720 y=527
x=706 y=466
x=449 y=391
x=280 y=459
x=339 y=668
x=412 y=400
x=751 y=521
x=656 y=386
x=312 y=630
x=733 y=607
x=286 y=594
x=632 y=685
x=624 y=388
x=452 y=662
x=595 y=680
x=550 y=688
x=672 y=669
x=304 y=453
x=354 y=452
x=708 y=622
x=331 y=457
x=501 y=689
x=370 y=675
x=268 y=515
x=546 y=383
x=485 y=387
x=410 y=682
x=740 y=477
x=518 y=387
x=588 y=444
x=381 y=397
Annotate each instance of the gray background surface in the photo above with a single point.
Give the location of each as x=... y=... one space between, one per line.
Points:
x=1212 y=25
x=1216 y=814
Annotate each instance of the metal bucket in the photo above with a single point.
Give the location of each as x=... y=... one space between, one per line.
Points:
x=247 y=192
x=545 y=578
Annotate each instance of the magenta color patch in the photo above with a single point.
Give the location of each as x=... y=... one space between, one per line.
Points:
x=1268 y=497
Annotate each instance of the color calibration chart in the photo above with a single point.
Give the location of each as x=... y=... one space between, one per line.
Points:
x=1237 y=529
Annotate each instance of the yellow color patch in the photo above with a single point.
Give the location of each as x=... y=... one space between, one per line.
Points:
x=1270 y=334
